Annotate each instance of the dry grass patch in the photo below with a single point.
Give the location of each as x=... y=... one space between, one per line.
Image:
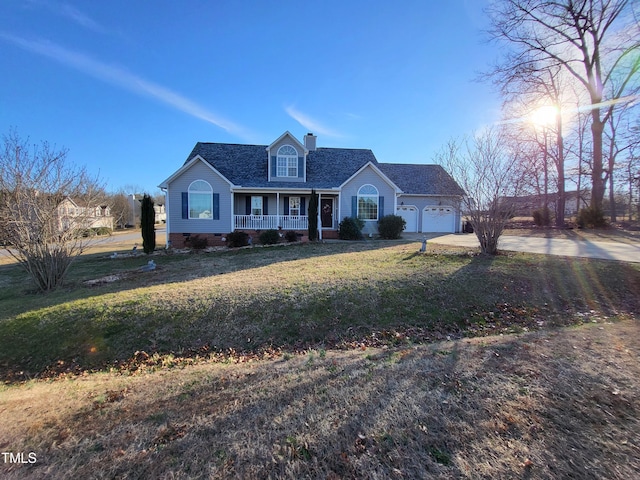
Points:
x=552 y=404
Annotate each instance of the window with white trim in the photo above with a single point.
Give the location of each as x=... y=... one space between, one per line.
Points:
x=294 y=206
x=256 y=205
x=200 y=200
x=368 y=202
x=287 y=162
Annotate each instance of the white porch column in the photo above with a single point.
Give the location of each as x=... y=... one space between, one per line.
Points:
x=319 y=217
x=278 y=209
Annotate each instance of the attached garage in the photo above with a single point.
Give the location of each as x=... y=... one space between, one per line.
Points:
x=438 y=219
x=410 y=215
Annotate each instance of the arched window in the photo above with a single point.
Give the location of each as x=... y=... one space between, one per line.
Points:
x=368 y=202
x=287 y=162
x=200 y=200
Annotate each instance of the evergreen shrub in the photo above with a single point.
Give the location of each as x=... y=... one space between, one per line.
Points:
x=237 y=239
x=390 y=227
x=350 y=229
x=269 y=237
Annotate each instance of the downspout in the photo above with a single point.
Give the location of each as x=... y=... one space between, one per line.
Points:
x=167 y=242
x=233 y=210
x=337 y=219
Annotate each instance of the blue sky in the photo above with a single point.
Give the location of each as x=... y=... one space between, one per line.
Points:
x=130 y=86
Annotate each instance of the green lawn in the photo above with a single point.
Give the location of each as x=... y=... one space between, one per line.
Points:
x=226 y=365
x=295 y=297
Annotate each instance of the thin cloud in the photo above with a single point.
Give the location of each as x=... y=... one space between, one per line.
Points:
x=71 y=13
x=311 y=124
x=124 y=79
x=353 y=116
x=80 y=18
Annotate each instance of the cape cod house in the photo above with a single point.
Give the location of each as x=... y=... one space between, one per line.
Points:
x=226 y=187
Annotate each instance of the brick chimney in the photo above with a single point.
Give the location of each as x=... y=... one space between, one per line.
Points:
x=310 y=141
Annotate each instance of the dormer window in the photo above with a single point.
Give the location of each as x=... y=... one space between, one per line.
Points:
x=287 y=162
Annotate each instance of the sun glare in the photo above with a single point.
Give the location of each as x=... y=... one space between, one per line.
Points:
x=544 y=116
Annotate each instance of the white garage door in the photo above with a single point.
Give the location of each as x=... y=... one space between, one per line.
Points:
x=438 y=219
x=410 y=215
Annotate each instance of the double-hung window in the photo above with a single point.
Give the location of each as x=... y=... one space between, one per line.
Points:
x=294 y=206
x=256 y=205
x=287 y=162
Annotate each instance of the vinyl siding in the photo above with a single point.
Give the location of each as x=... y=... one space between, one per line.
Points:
x=301 y=162
x=367 y=176
x=199 y=171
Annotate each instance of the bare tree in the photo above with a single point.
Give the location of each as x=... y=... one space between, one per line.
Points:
x=46 y=207
x=621 y=138
x=120 y=207
x=487 y=169
x=534 y=99
x=591 y=40
x=630 y=178
x=578 y=152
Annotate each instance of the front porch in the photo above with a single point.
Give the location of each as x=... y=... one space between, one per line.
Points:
x=282 y=211
x=267 y=222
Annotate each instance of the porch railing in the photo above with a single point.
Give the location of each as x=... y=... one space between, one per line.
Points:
x=266 y=222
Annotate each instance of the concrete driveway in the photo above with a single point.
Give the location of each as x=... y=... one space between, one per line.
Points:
x=625 y=252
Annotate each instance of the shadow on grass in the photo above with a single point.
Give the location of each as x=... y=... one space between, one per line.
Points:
x=17 y=286
x=415 y=298
x=520 y=407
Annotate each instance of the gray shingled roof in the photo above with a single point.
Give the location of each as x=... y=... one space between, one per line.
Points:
x=421 y=179
x=246 y=165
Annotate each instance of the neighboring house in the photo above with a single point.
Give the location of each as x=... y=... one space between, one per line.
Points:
x=73 y=214
x=524 y=205
x=226 y=187
x=135 y=202
x=161 y=214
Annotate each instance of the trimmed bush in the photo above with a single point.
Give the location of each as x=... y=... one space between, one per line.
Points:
x=591 y=218
x=542 y=217
x=197 y=242
x=291 y=236
x=312 y=212
x=148 y=224
x=237 y=239
x=390 y=227
x=269 y=237
x=350 y=229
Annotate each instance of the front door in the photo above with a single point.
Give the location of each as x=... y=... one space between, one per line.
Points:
x=326 y=212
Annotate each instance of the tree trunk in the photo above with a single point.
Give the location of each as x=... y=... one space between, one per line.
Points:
x=597 y=180
x=612 y=194
x=488 y=238
x=546 y=177
x=561 y=200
